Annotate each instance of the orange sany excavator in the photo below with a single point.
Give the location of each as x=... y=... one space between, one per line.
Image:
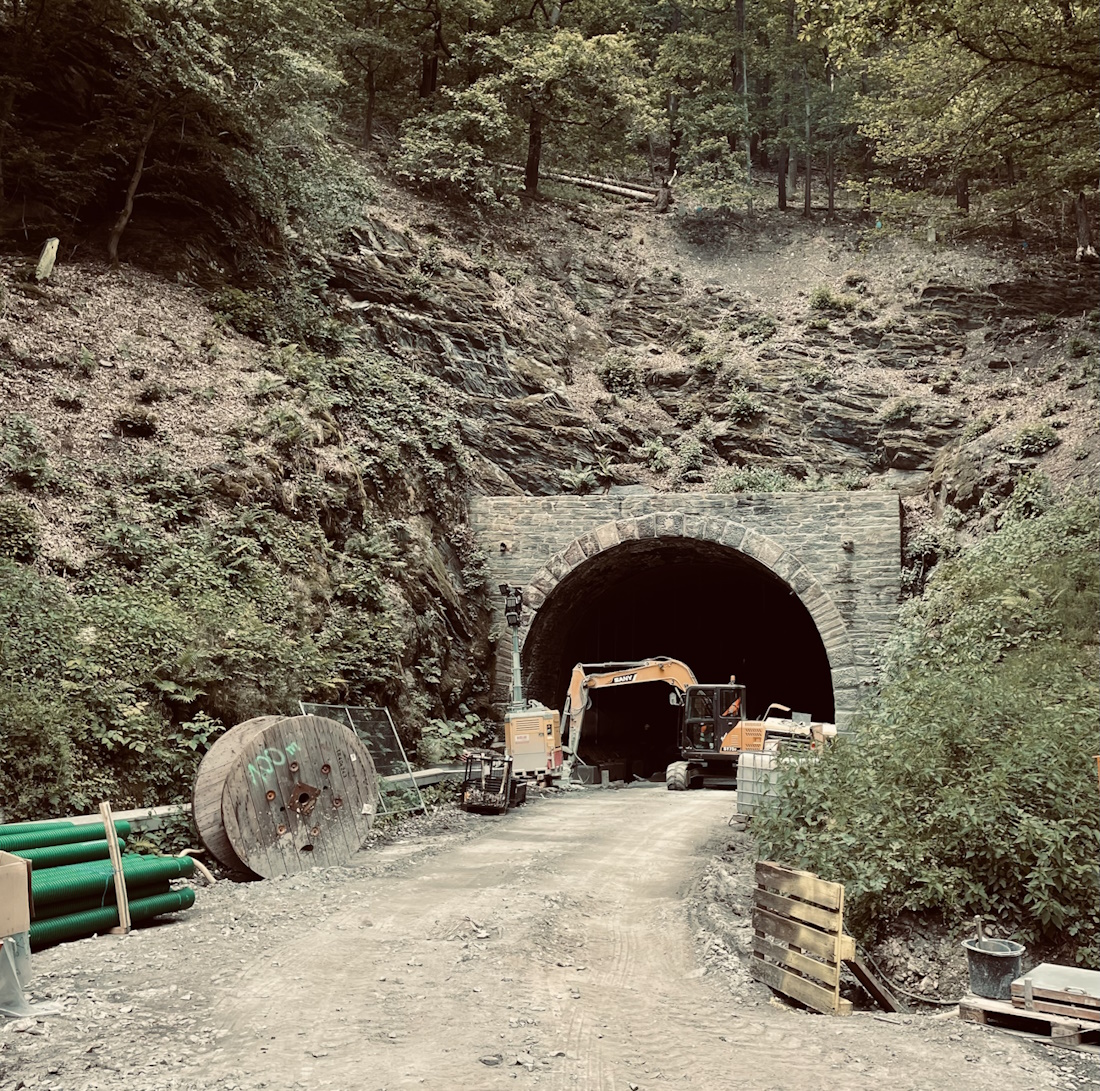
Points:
x=713 y=731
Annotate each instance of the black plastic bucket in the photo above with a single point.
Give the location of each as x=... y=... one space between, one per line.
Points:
x=994 y=964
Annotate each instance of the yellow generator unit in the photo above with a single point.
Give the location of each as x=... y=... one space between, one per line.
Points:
x=532 y=737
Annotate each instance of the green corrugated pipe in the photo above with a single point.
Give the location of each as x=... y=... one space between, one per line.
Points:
x=56 y=855
x=62 y=884
x=40 y=824
x=58 y=835
x=43 y=933
x=100 y=899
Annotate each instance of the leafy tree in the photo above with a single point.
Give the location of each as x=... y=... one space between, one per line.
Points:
x=220 y=102
x=988 y=90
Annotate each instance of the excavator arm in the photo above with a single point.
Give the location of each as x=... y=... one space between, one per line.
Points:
x=590 y=676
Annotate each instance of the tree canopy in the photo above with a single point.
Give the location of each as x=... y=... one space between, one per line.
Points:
x=241 y=113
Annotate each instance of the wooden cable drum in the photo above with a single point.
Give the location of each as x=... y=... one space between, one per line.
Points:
x=300 y=792
x=206 y=792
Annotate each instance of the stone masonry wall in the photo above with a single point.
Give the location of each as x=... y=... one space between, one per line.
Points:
x=839 y=552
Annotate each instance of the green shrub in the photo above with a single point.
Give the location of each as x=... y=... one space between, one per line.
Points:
x=250 y=313
x=711 y=361
x=754 y=479
x=693 y=342
x=689 y=459
x=445 y=740
x=742 y=407
x=1031 y=496
x=656 y=455
x=19 y=535
x=136 y=422
x=1033 y=440
x=153 y=392
x=977 y=427
x=758 y=330
x=23 y=456
x=619 y=375
x=825 y=299
x=970 y=785
x=455 y=153
x=901 y=412
x=69 y=400
x=1078 y=346
x=578 y=479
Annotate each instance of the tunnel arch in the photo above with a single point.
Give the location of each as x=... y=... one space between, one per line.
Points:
x=642 y=566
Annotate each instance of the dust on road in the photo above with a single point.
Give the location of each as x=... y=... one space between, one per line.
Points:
x=572 y=944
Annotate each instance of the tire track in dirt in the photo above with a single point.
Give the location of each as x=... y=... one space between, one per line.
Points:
x=557 y=950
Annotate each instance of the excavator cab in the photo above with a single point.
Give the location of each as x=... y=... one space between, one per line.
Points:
x=710 y=714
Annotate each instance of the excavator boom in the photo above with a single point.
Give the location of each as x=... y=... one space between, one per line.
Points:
x=590 y=676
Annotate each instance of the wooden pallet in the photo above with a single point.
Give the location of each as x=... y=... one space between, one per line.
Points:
x=800 y=943
x=1059 y=1029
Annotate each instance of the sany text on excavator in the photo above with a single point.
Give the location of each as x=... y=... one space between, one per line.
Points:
x=712 y=731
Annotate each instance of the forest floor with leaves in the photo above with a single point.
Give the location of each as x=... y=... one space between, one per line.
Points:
x=593 y=940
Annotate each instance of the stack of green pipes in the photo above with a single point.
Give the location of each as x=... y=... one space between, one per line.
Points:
x=72 y=881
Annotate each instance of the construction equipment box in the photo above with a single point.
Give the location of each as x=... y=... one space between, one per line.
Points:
x=15 y=894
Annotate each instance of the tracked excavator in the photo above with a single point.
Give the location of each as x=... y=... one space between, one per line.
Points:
x=713 y=731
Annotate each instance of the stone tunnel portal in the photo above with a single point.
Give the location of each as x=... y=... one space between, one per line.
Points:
x=715 y=608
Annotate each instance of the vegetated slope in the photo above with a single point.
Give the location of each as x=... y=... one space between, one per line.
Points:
x=204 y=525
x=972 y=787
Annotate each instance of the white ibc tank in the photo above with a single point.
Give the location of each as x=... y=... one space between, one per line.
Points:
x=756 y=776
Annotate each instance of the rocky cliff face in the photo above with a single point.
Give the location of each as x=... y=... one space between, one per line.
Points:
x=790 y=355
x=152 y=452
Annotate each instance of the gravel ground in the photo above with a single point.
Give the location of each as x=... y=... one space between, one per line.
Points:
x=590 y=940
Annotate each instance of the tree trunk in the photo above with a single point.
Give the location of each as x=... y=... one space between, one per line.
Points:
x=788 y=154
x=673 y=134
x=372 y=92
x=962 y=191
x=6 y=107
x=781 y=172
x=743 y=66
x=534 y=154
x=830 y=155
x=429 y=74
x=128 y=205
x=1085 y=249
x=806 y=180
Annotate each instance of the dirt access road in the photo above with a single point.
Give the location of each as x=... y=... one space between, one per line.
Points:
x=584 y=942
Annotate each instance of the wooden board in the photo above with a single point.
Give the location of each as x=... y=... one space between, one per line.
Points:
x=825 y=972
x=206 y=792
x=834 y=946
x=122 y=902
x=831 y=920
x=799 y=884
x=996 y=1013
x=790 y=984
x=1059 y=1007
x=873 y=984
x=301 y=793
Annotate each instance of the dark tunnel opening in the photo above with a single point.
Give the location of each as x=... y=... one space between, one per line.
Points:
x=718 y=610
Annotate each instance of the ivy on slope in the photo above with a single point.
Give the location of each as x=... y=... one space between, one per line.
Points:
x=971 y=784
